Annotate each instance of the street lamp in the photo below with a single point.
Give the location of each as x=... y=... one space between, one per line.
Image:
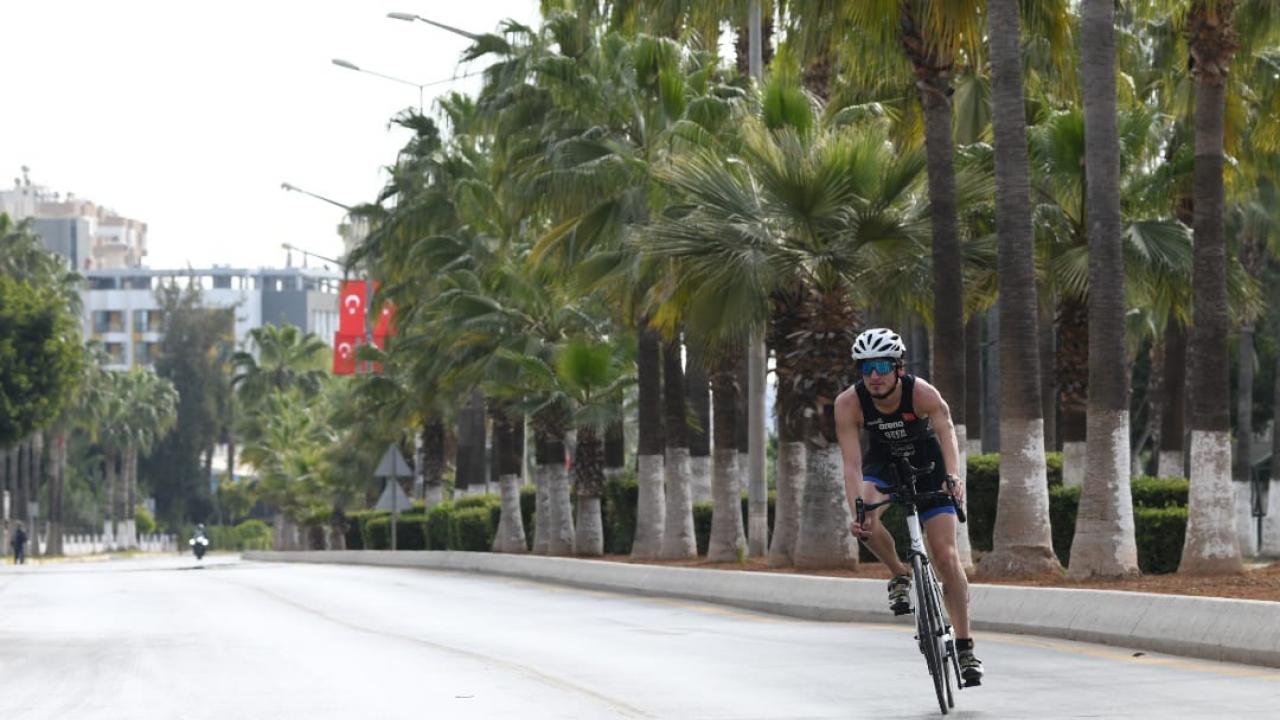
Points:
x=410 y=17
x=294 y=188
x=352 y=66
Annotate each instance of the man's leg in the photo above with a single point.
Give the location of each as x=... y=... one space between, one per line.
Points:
x=940 y=535
x=881 y=542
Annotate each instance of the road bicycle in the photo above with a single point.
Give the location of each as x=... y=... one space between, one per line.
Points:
x=933 y=629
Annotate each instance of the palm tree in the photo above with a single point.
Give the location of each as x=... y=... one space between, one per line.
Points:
x=1022 y=540
x=805 y=216
x=1104 y=541
x=1211 y=544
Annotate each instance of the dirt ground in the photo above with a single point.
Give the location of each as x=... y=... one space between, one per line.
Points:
x=1260 y=582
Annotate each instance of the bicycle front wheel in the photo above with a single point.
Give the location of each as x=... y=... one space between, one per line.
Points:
x=929 y=626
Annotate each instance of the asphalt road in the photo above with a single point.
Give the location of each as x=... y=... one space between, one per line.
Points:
x=168 y=638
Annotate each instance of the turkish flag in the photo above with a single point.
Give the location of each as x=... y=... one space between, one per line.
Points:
x=386 y=321
x=344 y=353
x=351 y=308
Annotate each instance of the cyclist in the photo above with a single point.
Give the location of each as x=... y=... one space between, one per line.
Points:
x=905 y=416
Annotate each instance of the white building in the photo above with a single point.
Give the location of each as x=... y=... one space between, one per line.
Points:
x=122 y=312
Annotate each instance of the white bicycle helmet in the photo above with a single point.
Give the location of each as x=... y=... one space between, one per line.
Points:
x=878 y=343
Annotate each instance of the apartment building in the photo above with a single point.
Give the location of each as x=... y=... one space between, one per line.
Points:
x=122 y=312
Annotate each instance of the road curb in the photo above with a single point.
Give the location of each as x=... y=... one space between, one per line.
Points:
x=1243 y=631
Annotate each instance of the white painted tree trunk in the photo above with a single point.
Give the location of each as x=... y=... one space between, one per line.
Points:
x=1246 y=525
x=1169 y=464
x=542 y=515
x=787 y=515
x=651 y=508
x=590 y=528
x=963 y=547
x=1022 y=542
x=700 y=478
x=826 y=539
x=1271 y=523
x=1074 y=462
x=1212 y=543
x=510 y=536
x=728 y=542
x=1104 y=543
x=560 y=541
x=742 y=470
x=972 y=447
x=433 y=495
x=678 y=540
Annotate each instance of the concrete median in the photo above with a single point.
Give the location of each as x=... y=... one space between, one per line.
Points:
x=1244 y=631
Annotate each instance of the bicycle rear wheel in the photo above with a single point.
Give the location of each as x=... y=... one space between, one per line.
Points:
x=930 y=628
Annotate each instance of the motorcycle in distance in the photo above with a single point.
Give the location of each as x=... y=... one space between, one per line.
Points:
x=199 y=543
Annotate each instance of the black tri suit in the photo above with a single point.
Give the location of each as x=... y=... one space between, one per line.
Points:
x=903 y=434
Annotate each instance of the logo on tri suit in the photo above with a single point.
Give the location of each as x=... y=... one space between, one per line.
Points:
x=894 y=430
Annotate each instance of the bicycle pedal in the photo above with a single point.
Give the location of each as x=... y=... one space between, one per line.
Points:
x=972 y=683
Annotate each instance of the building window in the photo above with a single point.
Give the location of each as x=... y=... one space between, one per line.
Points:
x=147 y=320
x=144 y=353
x=102 y=283
x=115 y=353
x=222 y=282
x=138 y=283
x=105 y=321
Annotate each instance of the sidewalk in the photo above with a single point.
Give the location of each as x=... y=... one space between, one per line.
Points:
x=1244 y=631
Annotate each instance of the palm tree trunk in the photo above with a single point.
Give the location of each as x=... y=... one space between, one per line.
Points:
x=1048 y=381
x=790 y=479
x=35 y=479
x=1021 y=542
x=728 y=542
x=109 y=516
x=1104 y=543
x=698 y=397
x=1271 y=523
x=1244 y=443
x=1073 y=386
x=57 y=478
x=973 y=385
x=615 y=448
x=651 y=505
x=1211 y=545
x=1171 y=461
x=991 y=386
x=588 y=469
x=131 y=498
x=431 y=461
x=825 y=538
x=510 y=537
x=742 y=424
x=559 y=506
x=678 y=540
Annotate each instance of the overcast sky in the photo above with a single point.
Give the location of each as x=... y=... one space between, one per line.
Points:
x=188 y=116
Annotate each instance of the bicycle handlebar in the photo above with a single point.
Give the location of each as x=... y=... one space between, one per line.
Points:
x=897 y=496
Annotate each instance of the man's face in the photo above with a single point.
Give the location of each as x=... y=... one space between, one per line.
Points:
x=879 y=375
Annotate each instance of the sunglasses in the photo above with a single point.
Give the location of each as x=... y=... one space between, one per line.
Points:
x=880 y=367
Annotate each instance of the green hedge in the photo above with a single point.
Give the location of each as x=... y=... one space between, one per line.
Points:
x=1160 y=533
x=618 y=509
x=1153 y=492
x=248 y=535
x=410 y=532
x=472 y=528
x=438 y=519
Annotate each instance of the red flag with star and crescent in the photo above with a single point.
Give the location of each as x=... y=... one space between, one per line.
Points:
x=351 y=308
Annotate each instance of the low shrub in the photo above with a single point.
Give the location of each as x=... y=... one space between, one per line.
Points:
x=438 y=521
x=1154 y=492
x=618 y=508
x=145 y=522
x=248 y=535
x=1160 y=533
x=472 y=529
x=410 y=532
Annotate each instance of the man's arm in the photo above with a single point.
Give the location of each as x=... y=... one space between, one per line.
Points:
x=848 y=424
x=928 y=401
